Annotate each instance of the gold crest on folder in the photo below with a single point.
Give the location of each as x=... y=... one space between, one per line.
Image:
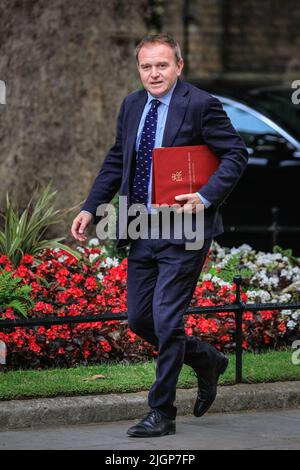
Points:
x=177 y=176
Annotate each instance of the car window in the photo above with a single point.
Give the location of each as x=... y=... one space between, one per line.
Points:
x=278 y=104
x=249 y=127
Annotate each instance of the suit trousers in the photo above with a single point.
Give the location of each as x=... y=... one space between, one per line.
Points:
x=161 y=280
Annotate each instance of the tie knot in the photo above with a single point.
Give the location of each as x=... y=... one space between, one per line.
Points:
x=155 y=103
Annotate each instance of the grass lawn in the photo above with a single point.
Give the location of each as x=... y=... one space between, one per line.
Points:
x=267 y=367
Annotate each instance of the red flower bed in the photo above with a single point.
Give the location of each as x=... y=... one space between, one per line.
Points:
x=62 y=286
x=260 y=330
x=71 y=288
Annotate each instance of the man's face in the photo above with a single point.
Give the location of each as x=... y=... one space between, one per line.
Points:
x=158 y=68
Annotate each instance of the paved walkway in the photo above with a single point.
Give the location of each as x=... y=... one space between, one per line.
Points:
x=243 y=430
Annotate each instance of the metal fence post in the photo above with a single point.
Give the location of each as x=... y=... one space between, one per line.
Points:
x=239 y=331
x=275 y=226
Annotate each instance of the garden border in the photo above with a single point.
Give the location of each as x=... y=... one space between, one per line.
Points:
x=238 y=307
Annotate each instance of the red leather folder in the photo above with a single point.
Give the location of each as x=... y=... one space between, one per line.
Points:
x=180 y=170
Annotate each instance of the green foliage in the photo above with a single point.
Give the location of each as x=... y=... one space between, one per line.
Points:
x=25 y=234
x=232 y=268
x=288 y=253
x=14 y=296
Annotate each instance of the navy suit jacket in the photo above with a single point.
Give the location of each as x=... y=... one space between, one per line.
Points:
x=194 y=117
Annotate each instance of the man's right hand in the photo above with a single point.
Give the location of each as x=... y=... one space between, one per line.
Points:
x=80 y=223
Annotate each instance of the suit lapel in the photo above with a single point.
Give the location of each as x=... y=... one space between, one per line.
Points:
x=176 y=113
x=136 y=112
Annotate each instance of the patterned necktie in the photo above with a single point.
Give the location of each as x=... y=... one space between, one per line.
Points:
x=144 y=156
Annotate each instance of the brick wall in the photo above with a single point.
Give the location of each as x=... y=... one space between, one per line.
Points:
x=263 y=36
x=244 y=37
x=67 y=65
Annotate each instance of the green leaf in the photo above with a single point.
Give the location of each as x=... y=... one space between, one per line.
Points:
x=14 y=295
x=19 y=307
x=25 y=233
x=43 y=280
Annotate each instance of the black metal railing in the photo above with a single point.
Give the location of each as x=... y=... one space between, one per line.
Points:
x=238 y=307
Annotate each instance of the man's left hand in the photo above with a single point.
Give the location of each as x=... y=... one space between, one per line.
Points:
x=192 y=203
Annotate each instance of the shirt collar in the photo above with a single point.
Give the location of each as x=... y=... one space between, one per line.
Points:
x=165 y=99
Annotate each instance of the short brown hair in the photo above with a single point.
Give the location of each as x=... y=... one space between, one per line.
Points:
x=163 y=38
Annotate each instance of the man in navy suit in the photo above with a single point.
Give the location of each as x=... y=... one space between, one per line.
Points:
x=162 y=273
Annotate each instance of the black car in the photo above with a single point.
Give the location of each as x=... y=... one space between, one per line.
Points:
x=263 y=209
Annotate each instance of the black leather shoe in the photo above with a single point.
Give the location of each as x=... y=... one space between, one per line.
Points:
x=153 y=425
x=207 y=385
